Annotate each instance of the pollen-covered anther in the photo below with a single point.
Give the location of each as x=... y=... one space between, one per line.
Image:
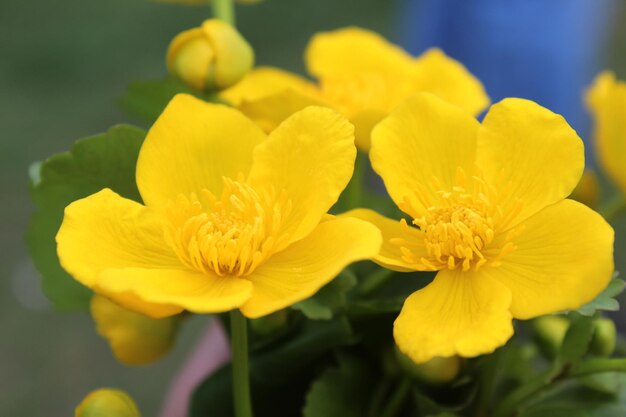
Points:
x=459 y=228
x=229 y=235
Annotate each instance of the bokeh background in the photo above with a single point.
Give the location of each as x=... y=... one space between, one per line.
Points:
x=64 y=64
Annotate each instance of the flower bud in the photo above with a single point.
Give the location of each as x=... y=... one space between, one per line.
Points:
x=588 y=189
x=107 y=402
x=135 y=339
x=550 y=332
x=437 y=371
x=212 y=56
x=603 y=341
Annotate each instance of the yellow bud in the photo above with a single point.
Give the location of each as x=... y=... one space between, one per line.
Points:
x=134 y=338
x=550 y=332
x=437 y=371
x=213 y=56
x=588 y=189
x=107 y=402
x=603 y=341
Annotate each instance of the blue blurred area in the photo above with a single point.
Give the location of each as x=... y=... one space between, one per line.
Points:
x=544 y=50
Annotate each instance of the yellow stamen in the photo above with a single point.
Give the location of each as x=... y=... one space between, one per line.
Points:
x=462 y=227
x=230 y=235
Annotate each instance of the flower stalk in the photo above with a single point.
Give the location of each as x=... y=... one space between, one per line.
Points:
x=224 y=10
x=241 y=377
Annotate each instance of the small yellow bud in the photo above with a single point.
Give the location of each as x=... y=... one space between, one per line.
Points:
x=213 y=56
x=204 y=2
x=603 y=341
x=134 y=338
x=550 y=332
x=437 y=371
x=588 y=189
x=107 y=402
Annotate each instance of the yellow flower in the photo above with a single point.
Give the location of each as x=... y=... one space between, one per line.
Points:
x=107 y=402
x=135 y=339
x=232 y=218
x=212 y=56
x=607 y=101
x=588 y=189
x=361 y=75
x=488 y=211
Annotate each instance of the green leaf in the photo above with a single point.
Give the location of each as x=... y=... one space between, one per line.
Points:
x=606 y=300
x=279 y=375
x=94 y=163
x=576 y=341
x=147 y=99
x=330 y=299
x=341 y=391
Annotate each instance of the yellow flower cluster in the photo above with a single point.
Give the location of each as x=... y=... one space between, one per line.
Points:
x=235 y=201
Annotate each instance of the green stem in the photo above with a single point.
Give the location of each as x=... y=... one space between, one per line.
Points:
x=374 y=280
x=550 y=379
x=241 y=377
x=487 y=382
x=613 y=207
x=397 y=399
x=224 y=10
x=378 y=397
x=596 y=366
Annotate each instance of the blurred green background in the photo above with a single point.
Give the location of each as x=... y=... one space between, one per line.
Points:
x=63 y=66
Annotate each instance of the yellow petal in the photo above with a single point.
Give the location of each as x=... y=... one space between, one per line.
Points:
x=105 y=231
x=310 y=157
x=135 y=339
x=448 y=79
x=196 y=292
x=303 y=268
x=425 y=138
x=347 y=50
x=191 y=147
x=262 y=82
x=459 y=313
x=564 y=258
x=390 y=255
x=270 y=111
x=607 y=101
x=529 y=154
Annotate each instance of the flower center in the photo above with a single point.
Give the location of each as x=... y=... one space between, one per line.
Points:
x=463 y=228
x=230 y=235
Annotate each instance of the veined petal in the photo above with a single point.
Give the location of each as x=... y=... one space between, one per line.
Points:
x=459 y=313
x=563 y=259
x=191 y=147
x=607 y=101
x=310 y=157
x=419 y=149
x=530 y=155
x=349 y=50
x=390 y=255
x=270 y=111
x=303 y=268
x=448 y=79
x=189 y=290
x=105 y=231
x=265 y=81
